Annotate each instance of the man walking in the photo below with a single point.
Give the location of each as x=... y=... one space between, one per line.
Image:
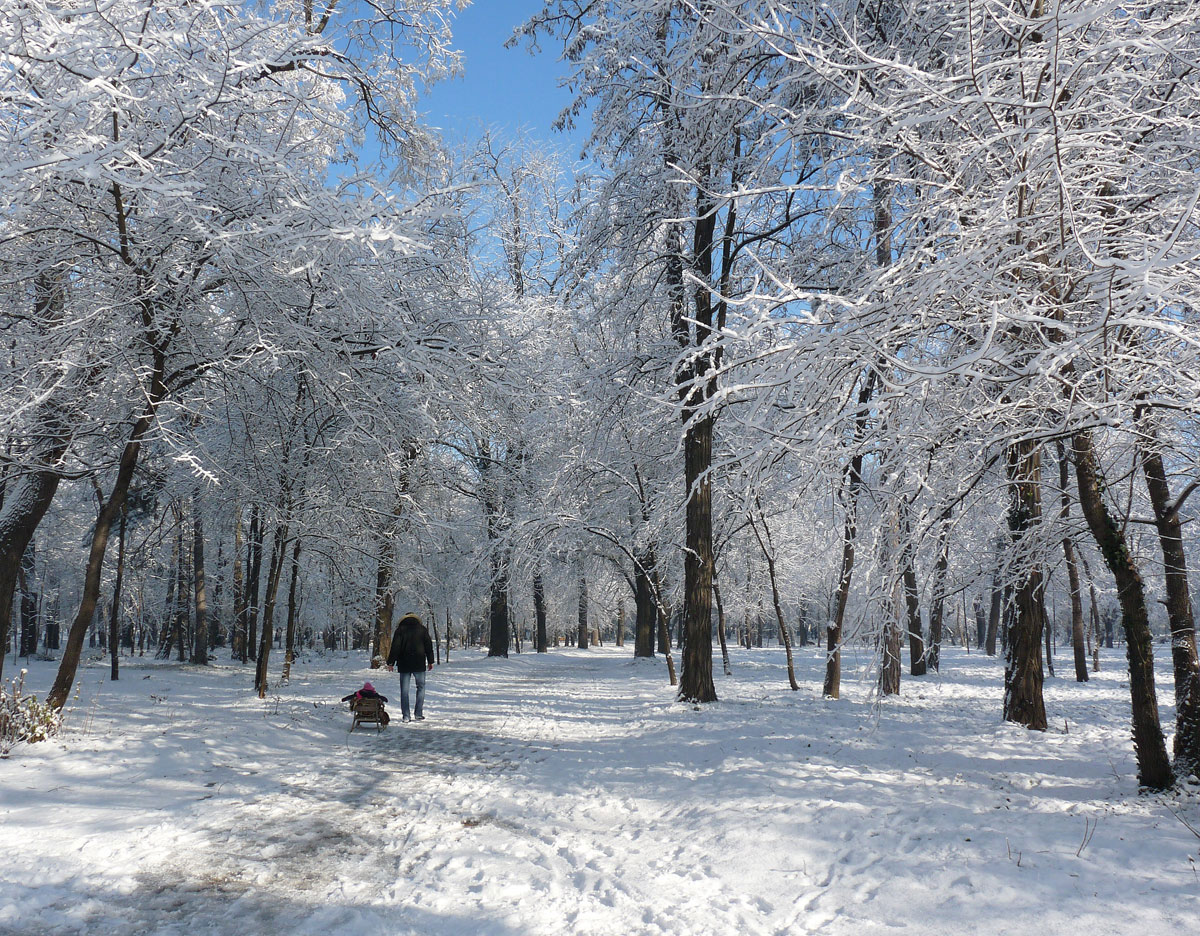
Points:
x=411 y=655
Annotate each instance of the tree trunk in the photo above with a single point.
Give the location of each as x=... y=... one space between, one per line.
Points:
x=65 y=679
x=912 y=606
x=29 y=603
x=27 y=496
x=498 y=610
x=852 y=484
x=583 y=608
x=539 y=614
x=937 y=599
x=384 y=605
x=995 y=614
x=166 y=638
x=182 y=592
x=1072 y=564
x=289 y=656
x=620 y=641
x=239 y=592
x=1154 y=769
x=274 y=574
x=1179 y=611
x=253 y=580
x=1023 y=699
x=721 y=627
x=663 y=614
x=768 y=551
x=200 y=655
x=889 y=646
x=114 y=621
x=696 y=684
x=645 y=608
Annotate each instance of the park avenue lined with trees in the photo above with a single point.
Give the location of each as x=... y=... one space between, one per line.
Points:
x=866 y=324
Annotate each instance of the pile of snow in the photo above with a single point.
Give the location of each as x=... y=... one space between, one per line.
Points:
x=568 y=793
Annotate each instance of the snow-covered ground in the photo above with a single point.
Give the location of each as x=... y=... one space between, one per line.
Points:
x=569 y=794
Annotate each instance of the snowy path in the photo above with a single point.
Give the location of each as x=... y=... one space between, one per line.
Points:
x=568 y=794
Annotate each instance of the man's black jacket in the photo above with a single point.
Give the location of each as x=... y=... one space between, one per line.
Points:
x=412 y=646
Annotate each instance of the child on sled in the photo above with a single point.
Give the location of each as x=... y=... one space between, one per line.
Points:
x=368 y=692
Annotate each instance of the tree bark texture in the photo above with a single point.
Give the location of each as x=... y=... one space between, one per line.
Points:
x=239 y=592
x=1023 y=699
x=937 y=600
x=200 y=585
x=114 y=620
x=289 y=646
x=582 y=635
x=995 y=614
x=1154 y=769
x=645 y=609
x=1179 y=614
x=852 y=484
x=381 y=645
x=539 y=613
x=254 y=580
x=274 y=574
x=65 y=679
x=1077 y=627
x=721 y=627
x=28 y=495
x=768 y=551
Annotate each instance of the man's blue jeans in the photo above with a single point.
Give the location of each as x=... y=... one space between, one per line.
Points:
x=420 y=706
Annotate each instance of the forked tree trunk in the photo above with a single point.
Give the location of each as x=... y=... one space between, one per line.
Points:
x=274 y=574
x=1023 y=699
x=768 y=551
x=1154 y=769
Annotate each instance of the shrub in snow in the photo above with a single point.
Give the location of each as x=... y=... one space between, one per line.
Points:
x=23 y=717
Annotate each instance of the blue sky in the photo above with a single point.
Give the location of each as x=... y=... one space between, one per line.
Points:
x=506 y=89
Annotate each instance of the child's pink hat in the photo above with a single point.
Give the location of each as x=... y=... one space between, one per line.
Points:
x=367 y=685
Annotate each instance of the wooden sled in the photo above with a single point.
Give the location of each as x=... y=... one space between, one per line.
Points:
x=367 y=712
